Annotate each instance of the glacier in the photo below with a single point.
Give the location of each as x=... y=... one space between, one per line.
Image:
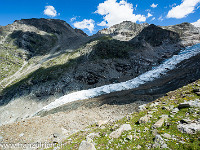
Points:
x=148 y=76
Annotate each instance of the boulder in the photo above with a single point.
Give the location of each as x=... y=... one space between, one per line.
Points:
x=154 y=132
x=117 y=133
x=183 y=105
x=186 y=121
x=191 y=128
x=142 y=107
x=194 y=103
x=101 y=122
x=160 y=122
x=167 y=136
x=144 y=119
x=154 y=104
x=159 y=142
x=138 y=147
x=174 y=111
x=86 y=146
x=198 y=93
x=129 y=137
x=93 y=135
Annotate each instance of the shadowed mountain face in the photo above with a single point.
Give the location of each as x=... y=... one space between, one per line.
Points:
x=67 y=36
x=35 y=44
x=40 y=36
x=127 y=30
x=156 y=36
x=44 y=59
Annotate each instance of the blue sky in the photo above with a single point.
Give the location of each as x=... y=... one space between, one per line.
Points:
x=93 y=15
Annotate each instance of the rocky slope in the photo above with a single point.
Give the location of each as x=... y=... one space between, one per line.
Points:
x=170 y=122
x=43 y=72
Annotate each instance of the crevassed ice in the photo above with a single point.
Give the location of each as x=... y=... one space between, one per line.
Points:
x=156 y=72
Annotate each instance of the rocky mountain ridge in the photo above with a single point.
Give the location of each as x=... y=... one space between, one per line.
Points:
x=32 y=34
x=35 y=41
x=38 y=72
x=127 y=30
x=124 y=31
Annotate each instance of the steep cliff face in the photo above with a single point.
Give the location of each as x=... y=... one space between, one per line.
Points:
x=156 y=36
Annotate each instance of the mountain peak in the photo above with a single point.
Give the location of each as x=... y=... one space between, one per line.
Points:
x=48 y=25
x=39 y=36
x=124 y=31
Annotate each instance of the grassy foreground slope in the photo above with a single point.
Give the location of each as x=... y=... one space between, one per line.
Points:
x=166 y=123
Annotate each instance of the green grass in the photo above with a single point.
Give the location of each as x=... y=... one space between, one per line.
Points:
x=11 y=60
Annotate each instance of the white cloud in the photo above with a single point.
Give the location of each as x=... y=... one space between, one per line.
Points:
x=149 y=15
x=185 y=8
x=73 y=19
x=85 y=24
x=135 y=7
x=50 y=11
x=115 y=12
x=197 y=23
x=160 y=18
x=148 y=10
x=172 y=5
x=153 y=18
x=103 y=23
x=154 y=5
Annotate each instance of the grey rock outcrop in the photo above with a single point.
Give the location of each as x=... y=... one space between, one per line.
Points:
x=117 y=133
x=161 y=121
x=159 y=142
x=144 y=119
x=124 y=31
x=191 y=128
x=189 y=34
x=86 y=146
x=166 y=135
x=127 y=30
x=92 y=135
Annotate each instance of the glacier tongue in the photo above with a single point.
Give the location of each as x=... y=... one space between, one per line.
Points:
x=155 y=73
